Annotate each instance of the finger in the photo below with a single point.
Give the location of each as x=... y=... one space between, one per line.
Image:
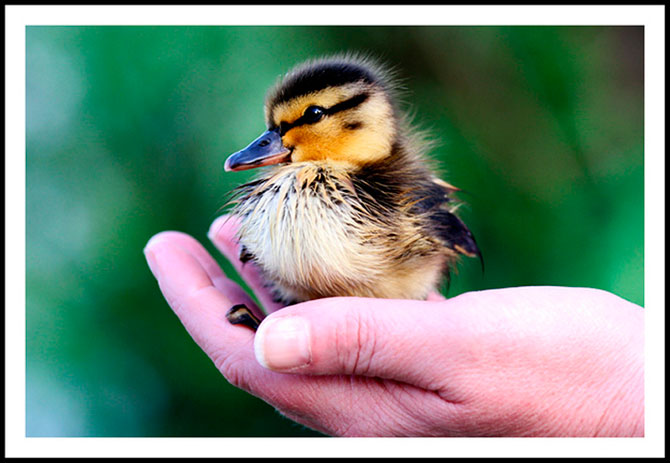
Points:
x=222 y=233
x=224 y=284
x=404 y=340
x=190 y=291
x=435 y=296
x=192 y=295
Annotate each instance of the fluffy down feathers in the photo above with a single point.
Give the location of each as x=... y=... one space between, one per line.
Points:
x=355 y=211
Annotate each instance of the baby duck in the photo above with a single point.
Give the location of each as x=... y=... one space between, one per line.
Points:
x=350 y=207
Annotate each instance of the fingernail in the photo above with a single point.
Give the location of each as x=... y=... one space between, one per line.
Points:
x=283 y=343
x=216 y=227
x=150 y=255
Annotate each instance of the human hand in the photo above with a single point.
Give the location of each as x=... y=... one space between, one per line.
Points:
x=529 y=361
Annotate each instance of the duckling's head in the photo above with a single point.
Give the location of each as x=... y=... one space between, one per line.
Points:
x=336 y=110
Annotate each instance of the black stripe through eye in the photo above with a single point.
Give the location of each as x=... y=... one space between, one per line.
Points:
x=347 y=104
x=308 y=117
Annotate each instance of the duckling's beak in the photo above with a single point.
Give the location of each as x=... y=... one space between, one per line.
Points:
x=263 y=151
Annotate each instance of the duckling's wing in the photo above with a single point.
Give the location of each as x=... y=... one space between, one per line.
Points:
x=437 y=206
x=453 y=233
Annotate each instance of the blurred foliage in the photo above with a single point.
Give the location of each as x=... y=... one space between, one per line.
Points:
x=127 y=131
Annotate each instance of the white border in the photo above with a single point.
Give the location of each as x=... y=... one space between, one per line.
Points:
x=324 y=15
x=17 y=17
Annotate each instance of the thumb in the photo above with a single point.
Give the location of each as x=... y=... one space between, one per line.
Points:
x=404 y=340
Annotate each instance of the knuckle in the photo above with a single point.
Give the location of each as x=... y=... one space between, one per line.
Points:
x=355 y=342
x=231 y=367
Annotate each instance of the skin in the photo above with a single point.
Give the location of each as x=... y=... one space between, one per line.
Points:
x=526 y=361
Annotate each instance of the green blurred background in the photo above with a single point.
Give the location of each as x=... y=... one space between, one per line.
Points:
x=127 y=131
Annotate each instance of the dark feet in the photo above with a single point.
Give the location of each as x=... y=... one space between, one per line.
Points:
x=240 y=315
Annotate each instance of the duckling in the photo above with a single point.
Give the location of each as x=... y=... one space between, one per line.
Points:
x=349 y=205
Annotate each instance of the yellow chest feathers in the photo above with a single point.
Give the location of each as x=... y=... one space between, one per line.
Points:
x=312 y=238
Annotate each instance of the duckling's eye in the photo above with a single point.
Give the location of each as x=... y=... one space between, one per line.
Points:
x=313 y=114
